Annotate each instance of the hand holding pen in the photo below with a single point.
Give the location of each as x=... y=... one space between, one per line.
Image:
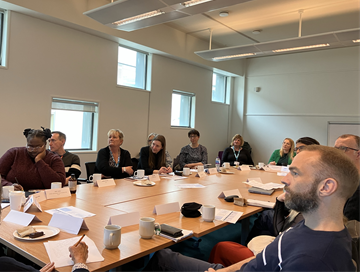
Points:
x=17 y=186
x=79 y=251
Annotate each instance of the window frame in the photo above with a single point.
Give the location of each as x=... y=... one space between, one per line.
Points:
x=4 y=36
x=146 y=69
x=191 y=123
x=226 y=89
x=93 y=130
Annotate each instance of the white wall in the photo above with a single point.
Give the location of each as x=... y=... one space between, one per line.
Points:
x=299 y=94
x=46 y=60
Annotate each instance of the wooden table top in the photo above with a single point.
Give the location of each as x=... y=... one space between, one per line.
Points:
x=124 y=198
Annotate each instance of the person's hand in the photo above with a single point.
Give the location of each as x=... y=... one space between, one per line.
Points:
x=129 y=170
x=48 y=267
x=272 y=163
x=67 y=180
x=40 y=156
x=281 y=197
x=79 y=254
x=162 y=170
x=211 y=270
x=17 y=187
x=169 y=170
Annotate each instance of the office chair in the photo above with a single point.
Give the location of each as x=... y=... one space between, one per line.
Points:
x=90 y=169
x=135 y=163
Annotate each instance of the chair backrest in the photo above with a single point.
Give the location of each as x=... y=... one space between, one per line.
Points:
x=90 y=168
x=135 y=162
x=176 y=162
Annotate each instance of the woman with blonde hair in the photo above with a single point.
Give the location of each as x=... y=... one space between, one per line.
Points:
x=112 y=160
x=236 y=152
x=285 y=155
x=153 y=158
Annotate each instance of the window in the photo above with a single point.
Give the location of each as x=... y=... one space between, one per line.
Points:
x=3 y=19
x=77 y=120
x=131 y=68
x=219 y=88
x=183 y=109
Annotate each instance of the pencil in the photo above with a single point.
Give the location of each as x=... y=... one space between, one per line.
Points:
x=78 y=242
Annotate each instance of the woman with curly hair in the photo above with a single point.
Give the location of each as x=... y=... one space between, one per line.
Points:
x=32 y=167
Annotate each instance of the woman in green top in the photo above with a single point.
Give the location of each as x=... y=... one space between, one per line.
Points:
x=285 y=155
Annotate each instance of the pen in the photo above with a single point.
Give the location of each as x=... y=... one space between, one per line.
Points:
x=17 y=182
x=78 y=242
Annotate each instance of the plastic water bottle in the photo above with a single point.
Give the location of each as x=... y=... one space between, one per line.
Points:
x=217 y=163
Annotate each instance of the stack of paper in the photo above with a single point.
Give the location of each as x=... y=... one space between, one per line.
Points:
x=186 y=233
x=58 y=251
x=266 y=186
x=258 y=203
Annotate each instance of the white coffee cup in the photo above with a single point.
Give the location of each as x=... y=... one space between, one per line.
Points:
x=95 y=177
x=112 y=236
x=5 y=191
x=16 y=199
x=186 y=171
x=236 y=163
x=261 y=165
x=226 y=165
x=147 y=227
x=56 y=185
x=208 y=213
x=200 y=168
x=139 y=173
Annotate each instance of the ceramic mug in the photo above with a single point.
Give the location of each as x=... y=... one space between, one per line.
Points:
x=6 y=190
x=147 y=227
x=95 y=177
x=56 y=185
x=236 y=163
x=208 y=213
x=139 y=173
x=261 y=165
x=226 y=165
x=186 y=171
x=112 y=236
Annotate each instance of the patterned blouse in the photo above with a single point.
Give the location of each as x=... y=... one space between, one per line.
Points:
x=193 y=155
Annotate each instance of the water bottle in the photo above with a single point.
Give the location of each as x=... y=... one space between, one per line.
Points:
x=217 y=163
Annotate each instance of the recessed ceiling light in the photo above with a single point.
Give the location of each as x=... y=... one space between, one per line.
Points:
x=223 y=14
x=256 y=31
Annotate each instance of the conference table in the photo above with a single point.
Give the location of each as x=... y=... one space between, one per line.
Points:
x=125 y=197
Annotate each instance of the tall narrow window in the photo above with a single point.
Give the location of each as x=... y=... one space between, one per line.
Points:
x=2 y=37
x=183 y=109
x=131 y=68
x=78 y=120
x=219 y=88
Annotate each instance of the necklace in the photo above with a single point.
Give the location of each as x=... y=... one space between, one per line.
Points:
x=236 y=156
x=112 y=157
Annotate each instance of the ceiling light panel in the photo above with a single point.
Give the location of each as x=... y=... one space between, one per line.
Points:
x=152 y=21
x=212 y=5
x=120 y=10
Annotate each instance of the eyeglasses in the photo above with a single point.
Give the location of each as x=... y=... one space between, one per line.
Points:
x=34 y=147
x=344 y=148
x=299 y=148
x=192 y=136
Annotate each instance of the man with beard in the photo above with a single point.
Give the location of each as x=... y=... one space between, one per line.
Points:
x=320 y=181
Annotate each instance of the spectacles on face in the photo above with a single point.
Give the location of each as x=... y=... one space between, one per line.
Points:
x=298 y=149
x=344 y=148
x=34 y=148
x=192 y=136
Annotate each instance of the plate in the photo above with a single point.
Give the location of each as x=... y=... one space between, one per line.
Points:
x=144 y=183
x=226 y=172
x=48 y=232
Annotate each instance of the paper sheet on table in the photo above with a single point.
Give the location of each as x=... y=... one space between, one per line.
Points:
x=190 y=186
x=259 y=203
x=58 y=251
x=4 y=205
x=227 y=215
x=179 y=178
x=186 y=233
x=266 y=186
x=76 y=212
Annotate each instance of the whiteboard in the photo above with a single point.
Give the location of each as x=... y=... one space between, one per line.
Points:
x=336 y=129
